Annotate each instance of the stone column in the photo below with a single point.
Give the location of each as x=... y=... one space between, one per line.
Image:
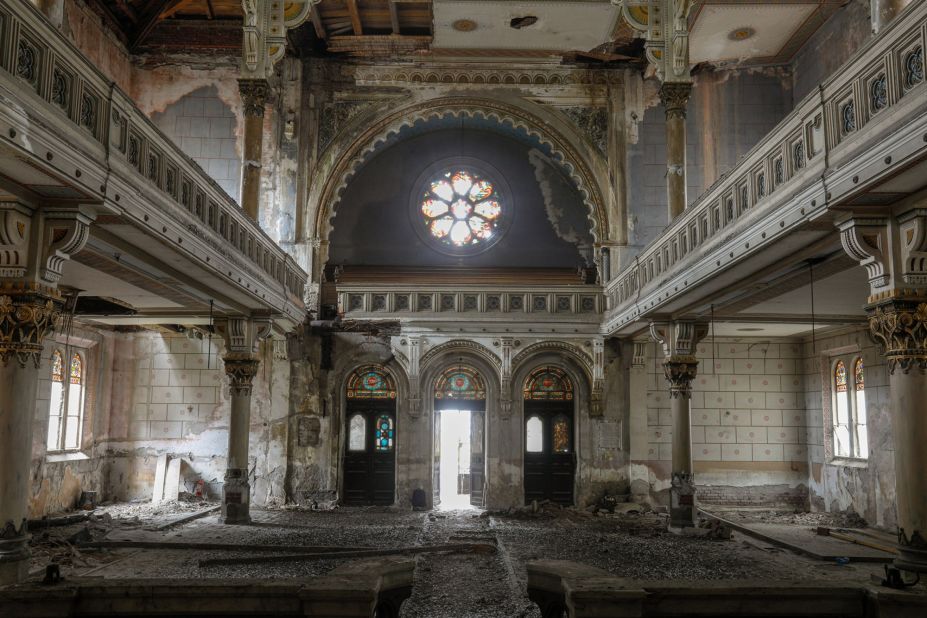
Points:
x=253 y=97
x=638 y=473
x=675 y=97
x=883 y=12
x=899 y=326
x=241 y=365
x=893 y=249
x=26 y=317
x=680 y=365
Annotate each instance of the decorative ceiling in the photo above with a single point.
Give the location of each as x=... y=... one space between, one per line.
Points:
x=722 y=31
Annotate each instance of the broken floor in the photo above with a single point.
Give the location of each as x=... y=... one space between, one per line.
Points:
x=632 y=545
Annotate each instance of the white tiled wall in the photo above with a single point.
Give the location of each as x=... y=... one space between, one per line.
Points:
x=747 y=403
x=177 y=386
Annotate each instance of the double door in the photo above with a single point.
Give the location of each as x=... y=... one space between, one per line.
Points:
x=550 y=457
x=370 y=455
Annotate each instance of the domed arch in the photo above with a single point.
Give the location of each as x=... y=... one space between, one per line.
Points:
x=373 y=131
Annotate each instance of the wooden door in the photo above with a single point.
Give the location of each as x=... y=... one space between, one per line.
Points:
x=370 y=455
x=549 y=452
x=477 y=458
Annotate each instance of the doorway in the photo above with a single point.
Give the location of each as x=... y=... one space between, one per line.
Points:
x=454 y=473
x=369 y=462
x=459 y=439
x=550 y=455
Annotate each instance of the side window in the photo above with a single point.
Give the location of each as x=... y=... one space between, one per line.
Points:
x=851 y=438
x=534 y=435
x=66 y=405
x=357 y=431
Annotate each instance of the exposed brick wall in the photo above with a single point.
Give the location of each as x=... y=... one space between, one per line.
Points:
x=205 y=129
x=771 y=495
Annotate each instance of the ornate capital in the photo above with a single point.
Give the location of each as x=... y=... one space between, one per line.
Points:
x=675 y=98
x=241 y=371
x=26 y=317
x=899 y=327
x=253 y=96
x=680 y=371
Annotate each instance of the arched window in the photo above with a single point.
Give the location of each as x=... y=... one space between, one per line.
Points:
x=548 y=384
x=850 y=434
x=461 y=383
x=534 y=435
x=66 y=402
x=357 y=433
x=370 y=382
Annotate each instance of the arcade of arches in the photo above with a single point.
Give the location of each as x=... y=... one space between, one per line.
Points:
x=554 y=300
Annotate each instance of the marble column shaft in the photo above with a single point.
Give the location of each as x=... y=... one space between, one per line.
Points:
x=236 y=490
x=254 y=97
x=675 y=98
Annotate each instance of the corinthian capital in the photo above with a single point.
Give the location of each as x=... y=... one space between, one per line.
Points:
x=26 y=317
x=253 y=96
x=899 y=326
x=675 y=98
x=241 y=371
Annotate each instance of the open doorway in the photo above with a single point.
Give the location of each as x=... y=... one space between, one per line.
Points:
x=454 y=474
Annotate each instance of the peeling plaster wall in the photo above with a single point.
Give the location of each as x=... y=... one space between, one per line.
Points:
x=864 y=487
x=748 y=423
x=829 y=47
x=729 y=112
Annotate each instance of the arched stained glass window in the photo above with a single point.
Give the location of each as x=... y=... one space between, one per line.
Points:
x=56 y=403
x=461 y=208
x=460 y=383
x=66 y=405
x=357 y=433
x=534 y=435
x=842 y=446
x=862 y=432
x=370 y=382
x=384 y=434
x=76 y=369
x=548 y=384
x=57 y=367
x=560 y=434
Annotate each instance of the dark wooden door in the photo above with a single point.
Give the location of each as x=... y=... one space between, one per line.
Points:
x=549 y=452
x=477 y=458
x=370 y=455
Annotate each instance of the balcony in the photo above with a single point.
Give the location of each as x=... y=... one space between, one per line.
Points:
x=68 y=135
x=839 y=147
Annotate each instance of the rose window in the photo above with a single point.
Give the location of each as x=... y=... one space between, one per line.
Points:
x=461 y=209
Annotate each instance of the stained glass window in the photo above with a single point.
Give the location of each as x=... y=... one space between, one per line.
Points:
x=858 y=374
x=370 y=382
x=460 y=383
x=384 y=433
x=75 y=369
x=57 y=367
x=560 y=438
x=862 y=432
x=534 y=435
x=548 y=383
x=357 y=431
x=461 y=208
x=840 y=377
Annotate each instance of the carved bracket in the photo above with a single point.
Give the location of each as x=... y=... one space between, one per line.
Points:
x=665 y=28
x=264 y=29
x=66 y=233
x=866 y=239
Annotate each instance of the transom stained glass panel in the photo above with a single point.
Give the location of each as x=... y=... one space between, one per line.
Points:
x=460 y=383
x=548 y=383
x=461 y=209
x=371 y=382
x=384 y=434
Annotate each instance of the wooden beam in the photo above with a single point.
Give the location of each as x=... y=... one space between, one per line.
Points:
x=317 y=22
x=355 y=17
x=153 y=12
x=393 y=16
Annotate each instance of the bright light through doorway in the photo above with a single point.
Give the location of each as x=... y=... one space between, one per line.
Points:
x=455 y=460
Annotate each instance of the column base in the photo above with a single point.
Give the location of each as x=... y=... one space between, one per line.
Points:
x=682 y=501
x=14 y=553
x=912 y=553
x=236 y=497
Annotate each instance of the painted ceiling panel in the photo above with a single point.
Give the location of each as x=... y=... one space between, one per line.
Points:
x=765 y=29
x=560 y=26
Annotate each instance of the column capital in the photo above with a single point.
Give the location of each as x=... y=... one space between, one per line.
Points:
x=899 y=327
x=680 y=365
x=675 y=98
x=254 y=93
x=241 y=371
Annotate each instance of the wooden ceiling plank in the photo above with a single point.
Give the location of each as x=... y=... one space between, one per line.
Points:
x=317 y=22
x=153 y=13
x=394 y=17
x=355 y=17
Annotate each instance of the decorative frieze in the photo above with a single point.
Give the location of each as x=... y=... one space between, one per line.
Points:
x=592 y=123
x=334 y=117
x=566 y=303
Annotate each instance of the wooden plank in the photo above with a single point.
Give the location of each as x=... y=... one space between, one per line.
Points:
x=394 y=16
x=317 y=22
x=355 y=17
